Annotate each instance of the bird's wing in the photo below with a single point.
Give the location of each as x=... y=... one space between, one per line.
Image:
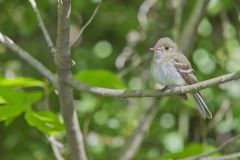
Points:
x=184 y=67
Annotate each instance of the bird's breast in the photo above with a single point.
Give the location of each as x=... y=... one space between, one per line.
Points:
x=166 y=74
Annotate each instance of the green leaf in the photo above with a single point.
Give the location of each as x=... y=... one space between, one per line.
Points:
x=47 y=122
x=13 y=96
x=34 y=96
x=9 y=112
x=18 y=96
x=190 y=150
x=21 y=82
x=16 y=101
x=101 y=78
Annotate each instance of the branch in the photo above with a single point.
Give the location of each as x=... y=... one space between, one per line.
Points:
x=189 y=31
x=178 y=6
x=143 y=11
x=136 y=139
x=134 y=65
x=135 y=36
x=7 y=42
x=87 y=24
x=200 y=156
x=150 y=93
x=225 y=157
x=56 y=146
x=63 y=65
x=219 y=115
x=42 y=26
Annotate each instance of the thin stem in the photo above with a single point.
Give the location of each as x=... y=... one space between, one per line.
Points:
x=219 y=114
x=178 y=5
x=135 y=36
x=6 y=41
x=87 y=24
x=136 y=139
x=42 y=26
x=56 y=146
x=225 y=157
x=189 y=31
x=198 y=157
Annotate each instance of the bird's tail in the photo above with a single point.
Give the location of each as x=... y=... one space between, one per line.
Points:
x=205 y=112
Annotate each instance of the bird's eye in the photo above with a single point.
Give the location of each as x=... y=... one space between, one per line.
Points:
x=166 y=48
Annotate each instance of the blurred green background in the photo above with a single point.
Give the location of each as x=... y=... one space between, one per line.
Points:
x=113 y=53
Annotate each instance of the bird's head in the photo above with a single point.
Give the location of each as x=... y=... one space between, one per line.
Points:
x=164 y=46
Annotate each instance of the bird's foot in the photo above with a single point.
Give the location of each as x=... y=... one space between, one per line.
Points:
x=165 y=88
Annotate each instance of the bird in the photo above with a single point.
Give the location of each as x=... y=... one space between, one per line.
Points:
x=171 y=68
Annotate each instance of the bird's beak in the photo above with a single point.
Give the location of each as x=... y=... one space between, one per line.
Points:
x=152 y=49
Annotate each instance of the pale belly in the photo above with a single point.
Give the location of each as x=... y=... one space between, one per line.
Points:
x=166 y=75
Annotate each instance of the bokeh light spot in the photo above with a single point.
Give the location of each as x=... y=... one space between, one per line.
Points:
x=103 y=49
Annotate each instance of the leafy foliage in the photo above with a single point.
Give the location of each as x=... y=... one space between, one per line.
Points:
x=47 y=122
x=16 y=101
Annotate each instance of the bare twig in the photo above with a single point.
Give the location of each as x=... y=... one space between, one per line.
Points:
x=133 y=36
x=136 y=139
x=178 y=5
x=143 y=11
x=189 y=31
x=219 y=115
x=206 y=154
x=6 y=41
x=225 y=157
x=56 y=146
x=135 y=65
x=87 y=24
x=150 y=93
x=63 y=65
x=42 y=26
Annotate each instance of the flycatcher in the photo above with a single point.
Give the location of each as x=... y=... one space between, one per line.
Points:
x=171 y=68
